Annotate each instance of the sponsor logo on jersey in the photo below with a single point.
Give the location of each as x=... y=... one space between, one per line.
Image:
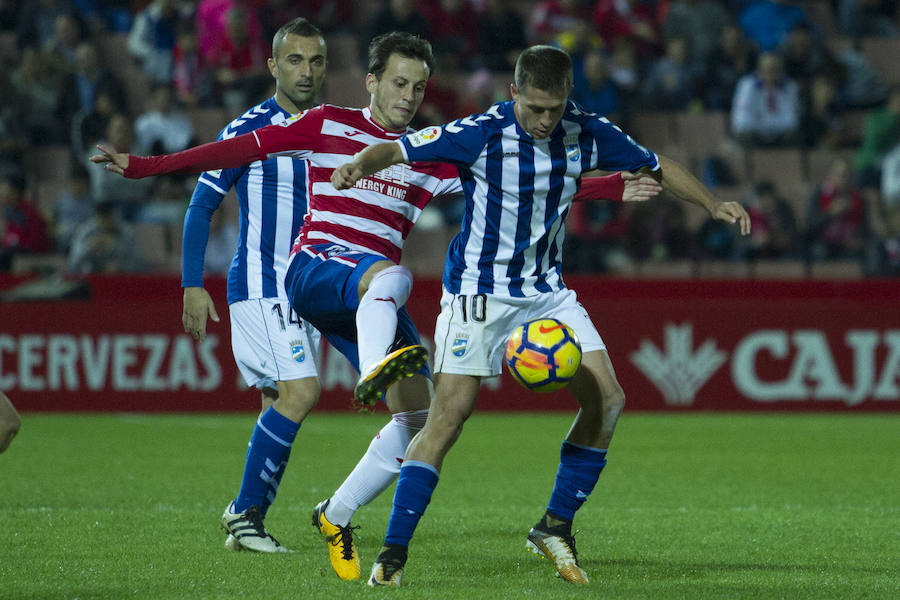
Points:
x=424 y=136
x=460 y=345
x=297 y=351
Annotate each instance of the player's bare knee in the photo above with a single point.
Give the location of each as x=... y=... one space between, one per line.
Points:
x=297 y=398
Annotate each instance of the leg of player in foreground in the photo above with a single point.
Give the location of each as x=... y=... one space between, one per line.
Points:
x=9 y=422
x=583 y=454
x=321 y=287
x=262 y=347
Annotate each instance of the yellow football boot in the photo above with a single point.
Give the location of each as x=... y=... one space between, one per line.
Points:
x=341 y=549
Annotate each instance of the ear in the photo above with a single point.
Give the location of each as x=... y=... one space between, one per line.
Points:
x=513 y=92
x=371 y=83
x=273 y=66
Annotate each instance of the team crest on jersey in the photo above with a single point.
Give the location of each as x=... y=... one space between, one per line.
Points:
x=424 y=136
x=573 y=149
x=298 y=351
x=460 y=344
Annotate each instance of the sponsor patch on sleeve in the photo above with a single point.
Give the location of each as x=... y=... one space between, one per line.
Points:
x=424 y=136
x=217 y=173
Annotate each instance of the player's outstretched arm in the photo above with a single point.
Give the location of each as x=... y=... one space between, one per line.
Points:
x=9 y=422
x=222 y=154
x=368 y=161
x=197 y=306
x=677 y=179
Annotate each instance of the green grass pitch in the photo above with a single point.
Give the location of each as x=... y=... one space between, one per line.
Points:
x=690 y=506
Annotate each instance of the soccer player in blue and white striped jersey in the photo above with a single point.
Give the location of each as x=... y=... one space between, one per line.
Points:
x=520 y=165
x=275 y=350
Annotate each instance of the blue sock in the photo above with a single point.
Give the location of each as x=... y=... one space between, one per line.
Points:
x=270 y=446
x=274 y=482
x=414 y=488
x=579 y=469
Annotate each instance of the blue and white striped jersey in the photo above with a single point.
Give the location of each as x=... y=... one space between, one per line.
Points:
x=272 y=195
x=518 y=191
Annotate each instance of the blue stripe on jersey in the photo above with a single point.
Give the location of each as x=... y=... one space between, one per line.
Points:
x=544 y=248
x=300 y=187
x=492 y=212
x=455 y=263
x=523 y=225
x=237 y=276
x=267 y=225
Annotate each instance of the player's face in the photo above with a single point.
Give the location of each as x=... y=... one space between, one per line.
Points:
x=538 y=111
x=299 y=71
x=396 y=96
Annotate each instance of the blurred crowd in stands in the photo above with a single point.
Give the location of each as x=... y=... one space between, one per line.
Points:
x=790 y=106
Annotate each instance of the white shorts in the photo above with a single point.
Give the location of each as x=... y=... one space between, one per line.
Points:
x=271 y=343
x=471 y=331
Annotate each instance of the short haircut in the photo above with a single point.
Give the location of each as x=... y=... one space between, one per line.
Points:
x=299 y=26
x=402 y=43
x=545 y=68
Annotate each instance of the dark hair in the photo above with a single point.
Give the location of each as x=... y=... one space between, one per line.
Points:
x=402 y=43
x=545 y=68
x=299 y=26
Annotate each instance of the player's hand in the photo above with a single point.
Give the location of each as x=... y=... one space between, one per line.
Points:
x=639 y=187
x=732 y=212
x=113 y=161
x=197 y=306
x=346 y=176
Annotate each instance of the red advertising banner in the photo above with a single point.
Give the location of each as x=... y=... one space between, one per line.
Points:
x=676 y=345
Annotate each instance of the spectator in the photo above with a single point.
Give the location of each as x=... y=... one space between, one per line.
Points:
x=163 y=128
x=767 y=22
x=880 y=134
x=190 y=77
x=658 y=231
x=595 y=89
x=883 y=253
x=73 y=206
x=60 y=48
x=551 y=18
x=700 y=21
x=501 y=36
x=868 y=18
x=634 y=20
x=397 y=15
x=623 y=70
x=106 y=187
x=669 y=85
x=239 y=62
x=82 y=86
x=890 y=177
x=837 y=217
x=89 y=126
x=766 y=106
x=22 y=228
x=103 y=245
x=37 y=19
x=211 y=24
x=804 y=56
x=597 y=236
x=35 y=99
x=733 y=57
x=450 y=26
x=862 y=85
x=823 y=123
x=152 y=39
x=773 y=225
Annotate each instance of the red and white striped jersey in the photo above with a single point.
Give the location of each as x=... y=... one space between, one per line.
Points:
x=375 y=215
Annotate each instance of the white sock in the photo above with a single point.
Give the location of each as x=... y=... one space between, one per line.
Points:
x=377 y=469
x=376 y=316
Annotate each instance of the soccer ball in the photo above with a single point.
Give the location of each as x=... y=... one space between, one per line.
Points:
x=543 y=355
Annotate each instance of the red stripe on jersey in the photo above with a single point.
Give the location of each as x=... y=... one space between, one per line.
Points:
x=328 y=136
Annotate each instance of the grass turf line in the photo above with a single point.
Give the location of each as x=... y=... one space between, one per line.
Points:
x=690 y=506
